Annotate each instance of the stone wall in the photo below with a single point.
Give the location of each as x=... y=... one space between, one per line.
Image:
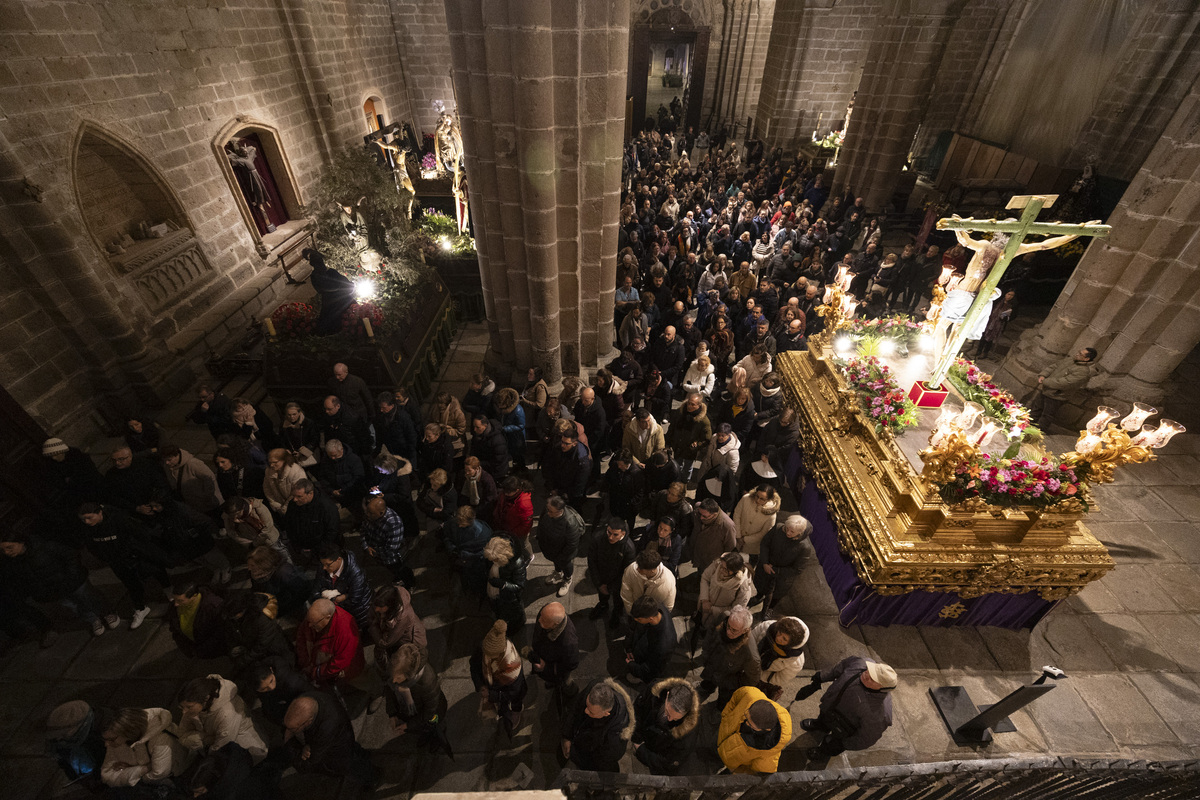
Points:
x=163 y=83
x=813 y=66
x=425 y=50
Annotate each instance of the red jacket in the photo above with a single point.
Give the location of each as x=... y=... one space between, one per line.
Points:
x=513 y=515
x=334 y=653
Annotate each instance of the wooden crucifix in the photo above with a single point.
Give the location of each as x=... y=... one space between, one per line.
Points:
x=1008 y=242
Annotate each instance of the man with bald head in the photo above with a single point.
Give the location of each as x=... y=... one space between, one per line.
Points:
x=327 y=645
x=318 y=732
x=352 y=391
x=668 y=355
x=555 y=648
x=589 y=413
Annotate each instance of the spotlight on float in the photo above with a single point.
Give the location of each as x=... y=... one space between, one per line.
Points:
x=364 y=289
x=446 y=243
x=887 y=347
x=925 y=342
x=842 y=344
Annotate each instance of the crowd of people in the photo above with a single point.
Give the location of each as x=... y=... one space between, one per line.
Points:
x=664 y=472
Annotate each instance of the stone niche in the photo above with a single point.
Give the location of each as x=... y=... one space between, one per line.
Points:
x=140 y=227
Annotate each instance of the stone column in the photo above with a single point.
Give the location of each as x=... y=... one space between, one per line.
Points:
x=902 y=60
x=742 y=55
x=1135 y=296
x=541 y=94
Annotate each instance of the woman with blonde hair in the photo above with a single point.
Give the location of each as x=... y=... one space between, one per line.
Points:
x=139 y=751
x=281 y=475
x=448 y=413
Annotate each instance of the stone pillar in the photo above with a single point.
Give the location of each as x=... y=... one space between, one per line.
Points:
x=906 y=49
x=541 y=97
x=742 y=56
x=1135 y=295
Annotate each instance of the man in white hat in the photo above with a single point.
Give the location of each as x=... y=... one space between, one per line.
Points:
x=856 y=708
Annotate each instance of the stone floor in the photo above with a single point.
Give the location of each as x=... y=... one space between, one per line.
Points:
x=1128 y=644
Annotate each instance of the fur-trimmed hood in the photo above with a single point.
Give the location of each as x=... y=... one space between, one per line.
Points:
x=623 y=696
x=692 y=718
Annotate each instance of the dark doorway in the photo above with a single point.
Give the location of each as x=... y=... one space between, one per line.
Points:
x=668 y=56
x=24 y=488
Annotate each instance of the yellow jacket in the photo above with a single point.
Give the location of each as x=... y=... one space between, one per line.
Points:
x=732 y=748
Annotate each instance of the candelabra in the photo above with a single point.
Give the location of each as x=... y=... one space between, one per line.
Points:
x=1103 y=445
x=837 y=306
x=954 y=440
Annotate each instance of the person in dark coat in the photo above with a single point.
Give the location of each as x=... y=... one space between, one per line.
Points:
x=415 y=701
x=131 y=482
x=567 y=468
x=195 y=619
x=589 y=413
x=651 y=640
x=237 y=475
x=215 y=410
x=436 y=451
x=476 y=488
x=272 y=574
x=319 y=733
x=662 y=535
x=352 y=391
x=311 y=518
x=781 y=555
x=341 y=476
x=660 y=472
x=342 y=580
x=339 y=422
x=611 y=552
x=394 y=428
x=856 y=708
x=276 y=683
x=596 y=732
x=730 y=656
x=251 y=635
x=667 y=715
x=51 y=572
x=554 y=654
x=506 y=579
x=488 y=445
x=74 y=478
x=625 y=486
x=116 y=539
x=335 y=290
x=559 y=531
x=668 y=356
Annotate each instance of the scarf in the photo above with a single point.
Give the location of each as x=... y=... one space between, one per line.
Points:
x=472 y=487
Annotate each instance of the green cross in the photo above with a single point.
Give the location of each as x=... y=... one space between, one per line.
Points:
x=1018 y=230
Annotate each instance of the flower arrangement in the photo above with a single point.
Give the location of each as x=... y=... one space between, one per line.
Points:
x=905 y=330
x=830 y=140
x=883 y=401
x=440 y=235
x=294 y=319
x=352 y=319
x=1013 y=482
x=429 y=163
x=976 y=385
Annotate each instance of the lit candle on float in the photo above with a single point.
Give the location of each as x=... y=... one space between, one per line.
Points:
x=1104 y=415
x=367 y=325
x=1167 y=429
x=1135 y=418
x=270 y=327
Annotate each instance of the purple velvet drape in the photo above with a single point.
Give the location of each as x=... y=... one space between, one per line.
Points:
x=859 y=604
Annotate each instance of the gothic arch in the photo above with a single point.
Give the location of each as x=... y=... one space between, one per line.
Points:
x=375 y=98
x=115 y=186
x=281 y=169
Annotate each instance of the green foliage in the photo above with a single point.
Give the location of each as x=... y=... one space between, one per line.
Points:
x=439 y=230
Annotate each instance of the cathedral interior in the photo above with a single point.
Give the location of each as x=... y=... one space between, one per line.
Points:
x=138 y=265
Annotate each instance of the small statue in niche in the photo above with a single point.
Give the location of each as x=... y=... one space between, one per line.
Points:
x=459 y=187
x=447 y=141
x=241 y=156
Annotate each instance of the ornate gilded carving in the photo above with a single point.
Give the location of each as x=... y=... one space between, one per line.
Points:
x=1114 y=449
x=942 y=461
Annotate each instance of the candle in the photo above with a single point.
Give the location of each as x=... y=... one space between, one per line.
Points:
x=270 y=327
x=1136 y=417
x=970 y=413
x=828 y=295
x=1104 y=415
x=1147 y=438
x=1166 y=429
x=367 y=325
x=1087 y=443
x=986 y=431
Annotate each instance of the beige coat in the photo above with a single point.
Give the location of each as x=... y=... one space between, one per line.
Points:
x=724 y=594
x=246 y=535
x=278 y=488
x=225 y=721
x=194 y=482
x=782 y=670
x=661 y=587
x=753 y=522
x=631 y=441
x=154 y=757
x=727 y=454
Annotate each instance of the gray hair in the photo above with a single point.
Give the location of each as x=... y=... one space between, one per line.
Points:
x=334 y=446
x=741 y=616
x=797 y=524
x=602 y=695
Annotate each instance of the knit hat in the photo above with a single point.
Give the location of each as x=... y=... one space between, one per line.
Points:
x=53 y=446
x=882 y=674
x=66 y=719
x=496 y=640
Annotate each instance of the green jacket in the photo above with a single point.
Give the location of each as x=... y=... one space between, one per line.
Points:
x=1066 y=375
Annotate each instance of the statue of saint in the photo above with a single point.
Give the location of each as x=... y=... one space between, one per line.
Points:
x=354 y=224
x=461 y=209
x=447 y=142
x=241 y=156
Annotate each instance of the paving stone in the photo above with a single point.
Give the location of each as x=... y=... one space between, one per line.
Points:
x=1129 y=644
x=1068 y=724
x=1182 y=537
x=957 y=648
x=829 y=643
x=1134 y=587
x=899 y=646
x=1123 y=501
x=1096 y=598
x=1068 y=643
x=1132 y=542
x=1175 y=698
x=28 y=658
x=1181 y=582
x=1123 y=710
x=1177 y=636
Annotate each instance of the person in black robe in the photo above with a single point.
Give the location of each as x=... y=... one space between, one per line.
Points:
x=335 y=290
